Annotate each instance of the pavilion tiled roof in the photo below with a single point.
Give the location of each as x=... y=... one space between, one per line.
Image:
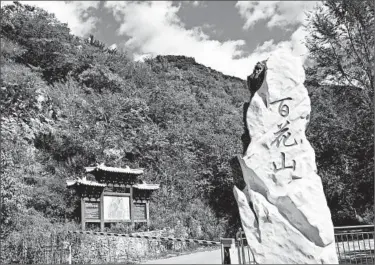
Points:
x=126 y=170
x=85 y=182
x=145 y=186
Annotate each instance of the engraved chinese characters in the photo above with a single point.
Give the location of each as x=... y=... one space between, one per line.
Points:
x=283 y=135
x=283 y=108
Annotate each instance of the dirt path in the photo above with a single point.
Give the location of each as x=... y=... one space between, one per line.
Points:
x=204 y=257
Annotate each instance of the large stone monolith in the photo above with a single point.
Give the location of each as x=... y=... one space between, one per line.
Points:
x=289 y=221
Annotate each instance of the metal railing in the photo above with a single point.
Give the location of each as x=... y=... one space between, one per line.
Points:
x=244 y=254
x=354 y=245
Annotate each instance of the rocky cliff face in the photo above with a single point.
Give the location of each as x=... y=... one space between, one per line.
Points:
x=290 y=221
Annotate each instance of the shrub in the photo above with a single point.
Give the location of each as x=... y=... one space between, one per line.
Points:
x=101 y=79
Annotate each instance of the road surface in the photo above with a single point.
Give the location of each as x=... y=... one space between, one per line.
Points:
x=204 y=257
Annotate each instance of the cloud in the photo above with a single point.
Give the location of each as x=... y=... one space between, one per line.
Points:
x=195 y=3
x=295 y=45
x=198 y=3
x=282 y=14
x=267 y=46
x=74 y=13
x=113 y=46
x=277 y=13
x=154 y=28
x=142 y=57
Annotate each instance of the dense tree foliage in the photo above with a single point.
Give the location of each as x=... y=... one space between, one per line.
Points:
x=179 y=120
x=341 y=41
x=67 y=103
x=341 y=44
x=342 y=133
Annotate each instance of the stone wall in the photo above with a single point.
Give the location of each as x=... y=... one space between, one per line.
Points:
x=114 y=249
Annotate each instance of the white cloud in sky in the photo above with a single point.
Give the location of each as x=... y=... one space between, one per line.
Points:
x=295 y=45
x=74 y=13
x=141 y=57
x=113 y=46
x=267 y=46
x=154 y=29
x=195 y=3
x=277 y=13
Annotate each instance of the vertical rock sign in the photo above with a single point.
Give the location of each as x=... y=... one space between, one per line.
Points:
x=288 y=220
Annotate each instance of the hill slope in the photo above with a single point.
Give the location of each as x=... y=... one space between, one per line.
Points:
x=69 y=103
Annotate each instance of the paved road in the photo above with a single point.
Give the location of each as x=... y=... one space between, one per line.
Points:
x=205 y=257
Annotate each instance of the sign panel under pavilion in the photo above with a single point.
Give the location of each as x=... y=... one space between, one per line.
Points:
x=116 y=195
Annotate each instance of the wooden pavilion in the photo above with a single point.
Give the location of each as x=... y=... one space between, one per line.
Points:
x=116 y=195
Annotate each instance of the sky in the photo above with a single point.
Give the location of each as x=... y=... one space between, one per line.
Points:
x=228 y=36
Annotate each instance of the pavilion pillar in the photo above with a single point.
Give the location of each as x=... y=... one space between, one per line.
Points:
x=132 y=207
x=83 y=210
x=101 y=208
x=148 y=214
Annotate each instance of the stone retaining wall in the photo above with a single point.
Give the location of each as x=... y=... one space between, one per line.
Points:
x=112 y=249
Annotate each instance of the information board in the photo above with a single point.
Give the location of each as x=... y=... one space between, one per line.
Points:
x=116 y=208
x=140 y=211
x=92 y=210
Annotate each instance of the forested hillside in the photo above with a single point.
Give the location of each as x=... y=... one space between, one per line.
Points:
x=68 y=102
